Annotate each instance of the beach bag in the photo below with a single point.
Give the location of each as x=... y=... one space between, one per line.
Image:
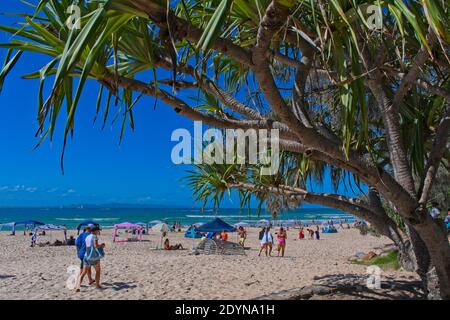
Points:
x=94 y=254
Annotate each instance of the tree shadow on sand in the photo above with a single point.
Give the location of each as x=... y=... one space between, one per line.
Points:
x=118 y=286
x=352 y=287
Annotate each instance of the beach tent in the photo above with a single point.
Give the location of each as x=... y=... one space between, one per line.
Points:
x=216 y=225
x=143 y=225
x=192 y=233
x=329 y=229
x=47 y=228
x=135 y=229
x=25 y=223
x=85 y=223
x=9 y=225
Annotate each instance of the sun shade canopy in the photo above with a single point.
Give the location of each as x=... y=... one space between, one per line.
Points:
x=216 y=225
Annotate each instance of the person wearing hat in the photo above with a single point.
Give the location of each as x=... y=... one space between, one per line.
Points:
x=80 y=243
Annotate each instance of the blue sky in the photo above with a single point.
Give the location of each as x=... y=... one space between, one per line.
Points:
x=97 y=169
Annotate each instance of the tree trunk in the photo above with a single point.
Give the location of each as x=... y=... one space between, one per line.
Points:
x=415 y=257
x=435 y=238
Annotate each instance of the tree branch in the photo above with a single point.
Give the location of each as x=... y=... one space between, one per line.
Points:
x=182 y=29
x=381 y=222
x=411 y=77
x=436 y=154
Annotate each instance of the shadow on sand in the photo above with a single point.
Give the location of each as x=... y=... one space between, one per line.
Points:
x=352 y=287
x=118 y=286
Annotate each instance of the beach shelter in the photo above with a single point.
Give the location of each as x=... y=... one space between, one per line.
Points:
x=329 y=229
x=47 y=228
x=216 y=225
x=9 y=225
x=143 y=225
x=85 y=223
x=192 y=233
x=130 y=228
x=26 y=223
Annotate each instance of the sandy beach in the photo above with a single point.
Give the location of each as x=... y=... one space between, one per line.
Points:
x=138 y=271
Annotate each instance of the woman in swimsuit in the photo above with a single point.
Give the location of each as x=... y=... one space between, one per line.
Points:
x=167 y=246
x=281 y=237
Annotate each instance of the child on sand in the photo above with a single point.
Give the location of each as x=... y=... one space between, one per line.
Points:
x=317 y=233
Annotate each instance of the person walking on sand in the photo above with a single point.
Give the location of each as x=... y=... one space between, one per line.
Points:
x=281 y=237
x=266 y=242
x=242 y=235
x=80 y=244
x=94 y=253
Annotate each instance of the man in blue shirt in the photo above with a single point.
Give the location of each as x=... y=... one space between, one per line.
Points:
x=80 y=243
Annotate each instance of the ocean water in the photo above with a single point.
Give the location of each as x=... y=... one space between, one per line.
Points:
x=107 y=217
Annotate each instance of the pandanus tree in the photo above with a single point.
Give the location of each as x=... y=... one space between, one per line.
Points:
x=362 y=86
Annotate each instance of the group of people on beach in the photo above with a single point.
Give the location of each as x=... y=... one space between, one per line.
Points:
x=267 y=241
x=313 y=234
x=90 y=252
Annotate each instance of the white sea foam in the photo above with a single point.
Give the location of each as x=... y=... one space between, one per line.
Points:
x=83 y=219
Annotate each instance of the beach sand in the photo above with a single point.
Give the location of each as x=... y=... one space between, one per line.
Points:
x=138 y=271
